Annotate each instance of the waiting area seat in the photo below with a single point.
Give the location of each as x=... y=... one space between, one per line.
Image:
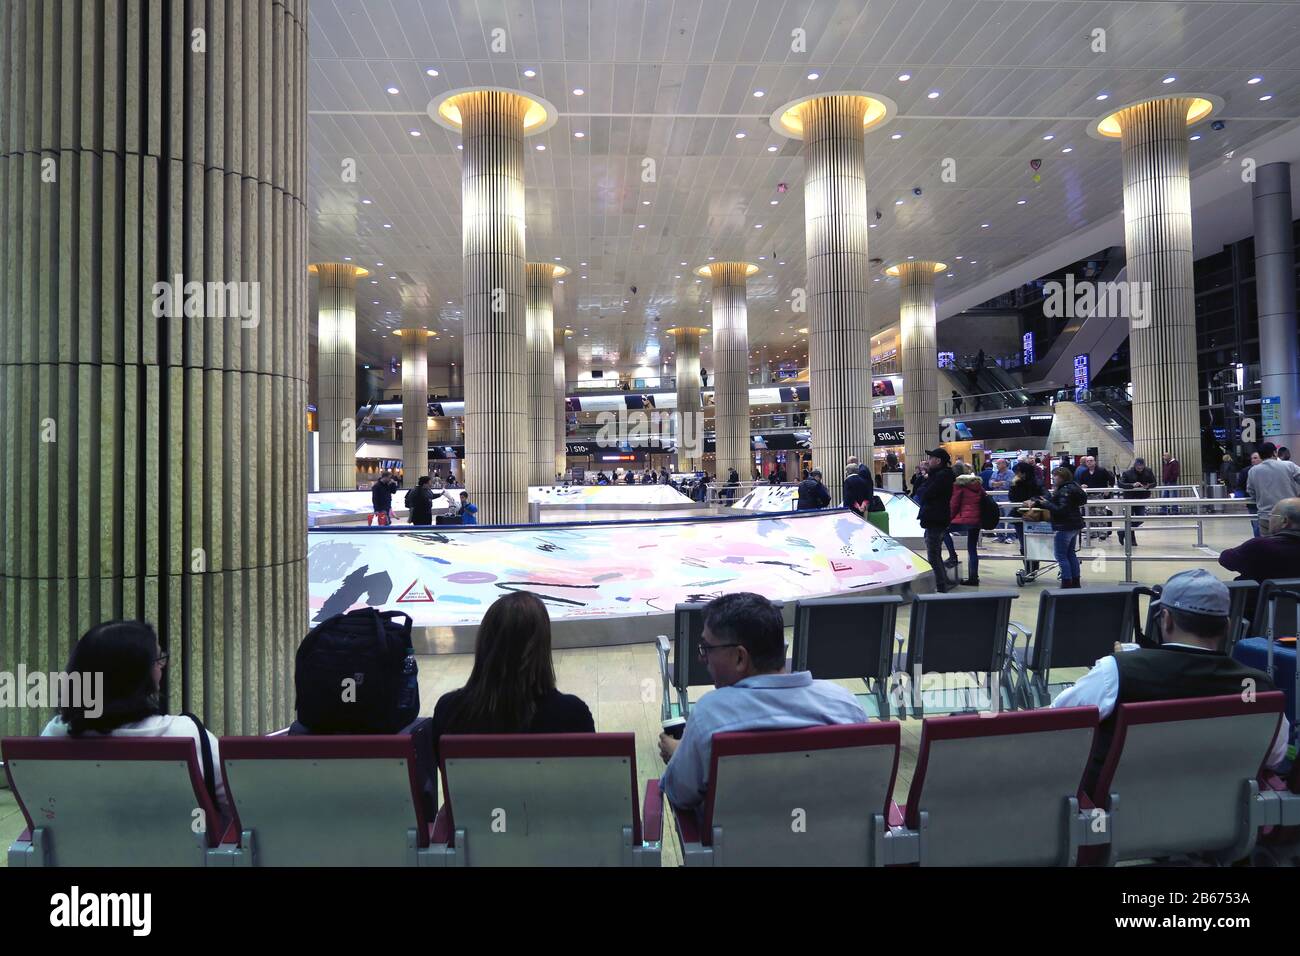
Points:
x=544 y=800
x=111 y=802
x=326 y=801
x=1180 y=777
x=817 y=796
x=843 y=638
x=680 y=664
x=952 y=634
x=1075 y=628
x=1001 y=790
x=1268 y=640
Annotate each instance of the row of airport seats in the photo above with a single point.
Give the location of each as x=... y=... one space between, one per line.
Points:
x=1181 y=777
x=855 y=638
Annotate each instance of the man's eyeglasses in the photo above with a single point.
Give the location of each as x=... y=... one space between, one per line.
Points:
x=162 y=659
x=705 y=648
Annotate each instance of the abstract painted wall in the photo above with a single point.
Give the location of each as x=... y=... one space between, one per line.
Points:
x=449 y=576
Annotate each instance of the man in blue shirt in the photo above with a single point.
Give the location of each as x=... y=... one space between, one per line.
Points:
x=744 y=646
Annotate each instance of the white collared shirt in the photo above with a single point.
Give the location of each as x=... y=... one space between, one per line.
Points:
x=1100 y=688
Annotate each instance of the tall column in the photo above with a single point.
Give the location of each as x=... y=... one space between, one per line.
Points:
x=690 y=415
x=731 y=367
x=336 y=352
x=153 y=330
x=561 y=409
x=493 y=124
x=541 y=371
x=1275 y=299
x=1158 y=243
x=835 y=215
x=916 y=320
x=415 y=404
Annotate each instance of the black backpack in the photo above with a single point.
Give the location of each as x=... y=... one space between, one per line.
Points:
x=356 y=673
x=990 y=513
x=410 y=495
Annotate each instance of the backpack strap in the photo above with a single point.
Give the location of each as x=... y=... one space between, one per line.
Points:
x=205 y=756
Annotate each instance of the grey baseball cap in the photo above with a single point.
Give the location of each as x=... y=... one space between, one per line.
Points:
x=1197 y=591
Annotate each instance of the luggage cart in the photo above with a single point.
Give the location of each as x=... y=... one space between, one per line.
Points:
x=1040 y=542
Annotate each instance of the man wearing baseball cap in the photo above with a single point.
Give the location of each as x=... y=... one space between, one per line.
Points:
x=1193 y=623
x=934 y=513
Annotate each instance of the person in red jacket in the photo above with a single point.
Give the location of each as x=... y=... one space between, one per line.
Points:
x=965 y=509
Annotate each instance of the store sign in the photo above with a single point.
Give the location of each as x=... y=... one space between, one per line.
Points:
x=947 y=360
x=1081 y=377
x=1027 y=346
x=889 y=436
x=1270 y=413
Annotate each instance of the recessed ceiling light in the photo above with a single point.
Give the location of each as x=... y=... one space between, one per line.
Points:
x=896 y=136
x=898 y=202
x=640 y=225
x=758 y=225
x=681 y=263
x=1195 y=137
x=957 y=258
x=759 y=93
x=1021 y=202
x=557 y=258
x=393 y=91
x=973 y=262
x=932 y=95
x=1103 y=96
x=677 y=277
x=645 y=202
x=374 y=301
x=870 y=226
x=773 y=202
x=911 y=257
x=374 y=282
x=1169 y=79
x=541 y=147
x=431 y=72
x=415 y=132
x=578 y=91
x=740 y=136
x=1254 y=79
x=1067 y=149
x=378 y=263
x=814 y=76
x=579 y=135
x=347 y=258
x=771 y=149
x=460 y=145
x=1266 y=97
x=366 y=202
x=984 y=225
x=388 y=225
x=530 y=73
x=392 y=277
x=1048 y=138
x=904 y=77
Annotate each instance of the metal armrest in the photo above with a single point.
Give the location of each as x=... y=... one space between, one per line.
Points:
x=652 y=814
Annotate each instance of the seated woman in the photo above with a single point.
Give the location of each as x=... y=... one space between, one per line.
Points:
x=512 y=687
x=131 y=660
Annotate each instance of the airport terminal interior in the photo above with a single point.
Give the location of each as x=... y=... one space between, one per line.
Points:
x=877 y=414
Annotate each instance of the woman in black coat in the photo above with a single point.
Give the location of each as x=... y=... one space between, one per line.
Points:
x=1024 y=487
x=421 y=503
x=1065 y=505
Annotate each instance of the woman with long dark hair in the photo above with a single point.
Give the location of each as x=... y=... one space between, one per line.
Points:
x=1065 y=505
x=120 y=665
x=511 y=689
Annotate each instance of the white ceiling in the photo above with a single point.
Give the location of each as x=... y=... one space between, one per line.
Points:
x=674 y=81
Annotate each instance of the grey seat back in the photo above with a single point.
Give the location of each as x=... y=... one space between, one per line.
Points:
x=994 y=789
x=1077 y=627
x=838 y=638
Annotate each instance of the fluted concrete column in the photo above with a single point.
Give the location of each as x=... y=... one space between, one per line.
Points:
x=839 y=336
x=153 y=335
x=916 y=320
x=456 y=381
x=1158 y=244
x=336 y=360
x=731 y=367
x=492 y=125
x=690 y=415
x=415 y=404
x=541 y=371
x=1275 y=299
x=561 y=409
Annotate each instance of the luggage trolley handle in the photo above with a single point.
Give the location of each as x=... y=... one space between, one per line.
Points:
x=1270 y=634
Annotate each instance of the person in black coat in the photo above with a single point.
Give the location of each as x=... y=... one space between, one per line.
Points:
x=420 y=501
x=934 y=515
x=511 y=689
x=812 y=493
x=1024 y=487
x=1136 y=483
x=1065 y=505
x=858 y=488
x=381 y=496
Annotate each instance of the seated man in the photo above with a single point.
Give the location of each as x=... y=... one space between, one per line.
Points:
x=1276 y=555
x=1193 y=622
x=744 y=645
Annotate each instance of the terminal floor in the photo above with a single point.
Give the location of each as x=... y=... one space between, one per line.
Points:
x=621 y=684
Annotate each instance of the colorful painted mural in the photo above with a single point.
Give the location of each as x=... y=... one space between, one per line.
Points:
x=449 y=576
x=903 y=513
x=324 y=506
x=614 y=496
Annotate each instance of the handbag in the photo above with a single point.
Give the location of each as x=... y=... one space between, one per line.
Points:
x=1036 y=515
